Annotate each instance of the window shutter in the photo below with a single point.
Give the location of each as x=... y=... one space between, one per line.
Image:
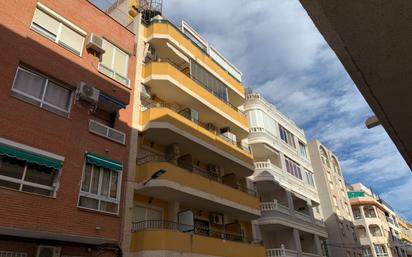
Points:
x=46 y=21
x=71 y=39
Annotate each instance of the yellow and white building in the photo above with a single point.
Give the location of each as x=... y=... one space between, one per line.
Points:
x=291 y=223
x=406 y=236
x=188 y=194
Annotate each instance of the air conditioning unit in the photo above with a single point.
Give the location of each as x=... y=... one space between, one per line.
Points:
x=48 y=251
x=88 y=93
x=230 y=136
x=95 y=43
x=216 y=218
x=211 y=127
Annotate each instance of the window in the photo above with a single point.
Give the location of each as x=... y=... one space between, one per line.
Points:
x=335 y=201
x=286 y=136
x=369 y=212
x=347 y=208
x=27 y=177
x=100 y=189
x=357 y=213
x=53 y=27
x=366 y=252
x=208 y=80
x=309 y=178
x=141 y=213
x=336 y=166
x=375 y=230
x=114 y=63
x=302 y=150
x=260 y=119
x=380 y=250
x=324 y=157
x=329 y=177
x=41 y=91
x=293 y=168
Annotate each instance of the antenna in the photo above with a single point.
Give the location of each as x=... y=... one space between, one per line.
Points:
x=149 y=9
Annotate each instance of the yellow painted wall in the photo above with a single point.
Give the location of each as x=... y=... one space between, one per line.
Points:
x=169 y=116
x=182 y=242
x=164 y=68
x=189 y=179
x=169 y=30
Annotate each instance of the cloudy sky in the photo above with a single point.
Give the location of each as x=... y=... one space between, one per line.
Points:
x=284 y=57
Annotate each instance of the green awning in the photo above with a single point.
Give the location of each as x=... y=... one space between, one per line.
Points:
x=103 y=162
x=355 y=194
x=30 y=157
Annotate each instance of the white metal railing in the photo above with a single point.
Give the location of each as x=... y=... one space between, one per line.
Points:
x=263 y=165
x=12 y=254
x=107 y=132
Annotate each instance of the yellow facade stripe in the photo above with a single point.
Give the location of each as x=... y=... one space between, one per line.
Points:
x=171 y=117
x=151 y=240
x=164 y=68
x=169 y=30
x=190 y=179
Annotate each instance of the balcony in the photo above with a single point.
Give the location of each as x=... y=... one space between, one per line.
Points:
x=285 y=179
x=171 y=84
x=281 y=252
x=161 y=235
x=162 y=116
x=197 y=188
x=159 y=32
x=107 y=132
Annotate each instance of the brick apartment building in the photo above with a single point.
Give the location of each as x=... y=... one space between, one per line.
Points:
x=63 y=156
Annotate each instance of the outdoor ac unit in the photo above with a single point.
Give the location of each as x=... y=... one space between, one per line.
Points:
x=230 y=136
x=216 y=219
x=88 y=93
x=95 y=43
x=48 y=251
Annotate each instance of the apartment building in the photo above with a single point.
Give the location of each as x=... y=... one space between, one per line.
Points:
x=371 y=222
x=67 y=77
x=188 y=194
x=292 y=222
x=406 y=236
x=336 y=209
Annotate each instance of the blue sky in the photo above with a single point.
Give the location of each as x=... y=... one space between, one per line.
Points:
x=283 y=56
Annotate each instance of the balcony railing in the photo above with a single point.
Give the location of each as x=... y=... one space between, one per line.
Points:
x=202 y=231
x=274 y=206
x=198 y=122
x=198 y=82
x=281 y=252
x=198 y=171
x=107 y=132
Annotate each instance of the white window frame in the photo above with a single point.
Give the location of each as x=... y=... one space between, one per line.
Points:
x=41 y=101
x=302 y=150
x=98 y=196
x=22 y=182
x=110 y=69
x=62 y=21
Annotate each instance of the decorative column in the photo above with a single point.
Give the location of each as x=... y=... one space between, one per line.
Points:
x=290 y=202
x=318 y=245
x=298 y=245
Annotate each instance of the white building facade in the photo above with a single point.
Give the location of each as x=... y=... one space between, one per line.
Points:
x=291 y=223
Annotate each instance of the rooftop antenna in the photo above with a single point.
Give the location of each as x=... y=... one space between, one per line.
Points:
x=150 y=9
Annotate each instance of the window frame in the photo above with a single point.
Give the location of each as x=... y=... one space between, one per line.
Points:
x=97 y=196
x=294 y=167
x=302 y=146
x=287 y=137
x=62 y=22
x=111 y=69
x=22 y=182
x=42 y=101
